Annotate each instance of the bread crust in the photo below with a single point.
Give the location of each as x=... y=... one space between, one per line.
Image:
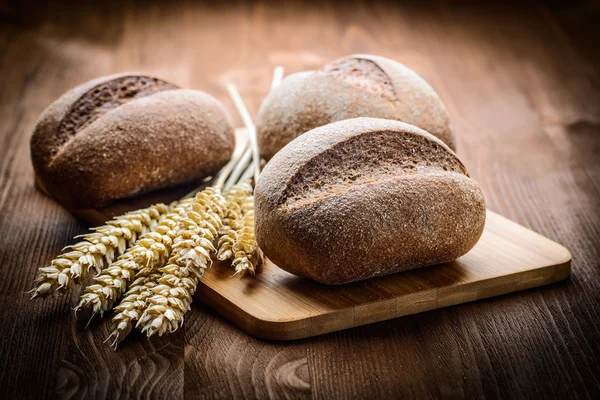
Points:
x=388 y=90
x=360 y=221
x=160 y=138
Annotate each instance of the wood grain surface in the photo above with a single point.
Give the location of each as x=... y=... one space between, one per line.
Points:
x=277 y=305
x=522 y=84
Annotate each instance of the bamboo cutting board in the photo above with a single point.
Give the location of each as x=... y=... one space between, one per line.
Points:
x=277 y=305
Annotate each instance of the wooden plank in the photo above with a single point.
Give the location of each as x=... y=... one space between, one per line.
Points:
x=521 y=82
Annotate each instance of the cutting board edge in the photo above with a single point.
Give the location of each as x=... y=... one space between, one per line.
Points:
x=295 y=329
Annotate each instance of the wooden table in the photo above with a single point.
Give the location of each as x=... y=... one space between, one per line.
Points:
x=523 y=88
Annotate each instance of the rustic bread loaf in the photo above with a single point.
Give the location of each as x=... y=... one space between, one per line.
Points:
x=354 y=86
x=124 y=135
x=365 y=197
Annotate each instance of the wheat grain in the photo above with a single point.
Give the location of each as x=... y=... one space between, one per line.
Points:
x=233 y=219
x=190 y=256
x=133 y=304
x=150 y=251
x=97 y=250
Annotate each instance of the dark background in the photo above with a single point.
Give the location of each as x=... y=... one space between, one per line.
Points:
x=522 y=84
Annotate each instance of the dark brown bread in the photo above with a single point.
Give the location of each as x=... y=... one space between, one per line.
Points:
x=124 y=135
x=354 y=86
x=365 y=197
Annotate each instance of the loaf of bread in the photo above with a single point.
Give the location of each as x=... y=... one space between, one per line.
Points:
x=351 y=87
x=124 y=135
x=365 y=197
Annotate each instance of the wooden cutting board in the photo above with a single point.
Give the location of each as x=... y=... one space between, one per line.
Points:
x=277 y=305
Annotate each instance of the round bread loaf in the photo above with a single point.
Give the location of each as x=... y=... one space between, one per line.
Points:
x=354 y=86
x=124 y=135
x=365 y=197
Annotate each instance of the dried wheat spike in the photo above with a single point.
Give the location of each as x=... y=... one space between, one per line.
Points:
x=190 y=257
x=97 y=250
x=133 y=304
x=247 y=254
x=233 y=219
x=150 y=251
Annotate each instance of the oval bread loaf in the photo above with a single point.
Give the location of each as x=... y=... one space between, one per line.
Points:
x=355 y=86
x=124 y=135
x=365 y=197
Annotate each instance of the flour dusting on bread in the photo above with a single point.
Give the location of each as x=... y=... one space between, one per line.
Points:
x=366 y=158
x=363 y=74
x=105 y=97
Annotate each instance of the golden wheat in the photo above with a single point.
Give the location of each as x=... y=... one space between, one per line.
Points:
x=150 y=251
x=233 y=219
x=247 y=254
x=97 y=250
x=133 y=304
x=190 y=256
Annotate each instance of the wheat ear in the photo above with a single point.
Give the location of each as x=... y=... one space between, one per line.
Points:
x=150 y=251
x=133 y=305
x=190 y=257
x=134 y=301
x=247 y=254
x=232 y=222
x=97 y=250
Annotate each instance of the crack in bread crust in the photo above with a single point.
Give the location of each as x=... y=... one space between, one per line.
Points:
x=103 y=98
x=366 y=158
x=363 y=74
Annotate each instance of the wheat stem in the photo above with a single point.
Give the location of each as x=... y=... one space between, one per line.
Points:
x=239 y=103
x=277 y=77
x=247 y=175
x=243 y=163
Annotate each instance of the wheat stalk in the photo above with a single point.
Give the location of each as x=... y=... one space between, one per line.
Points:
x=243 y=111
x=150 y=251
x=97 y=250
x=190 y=257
